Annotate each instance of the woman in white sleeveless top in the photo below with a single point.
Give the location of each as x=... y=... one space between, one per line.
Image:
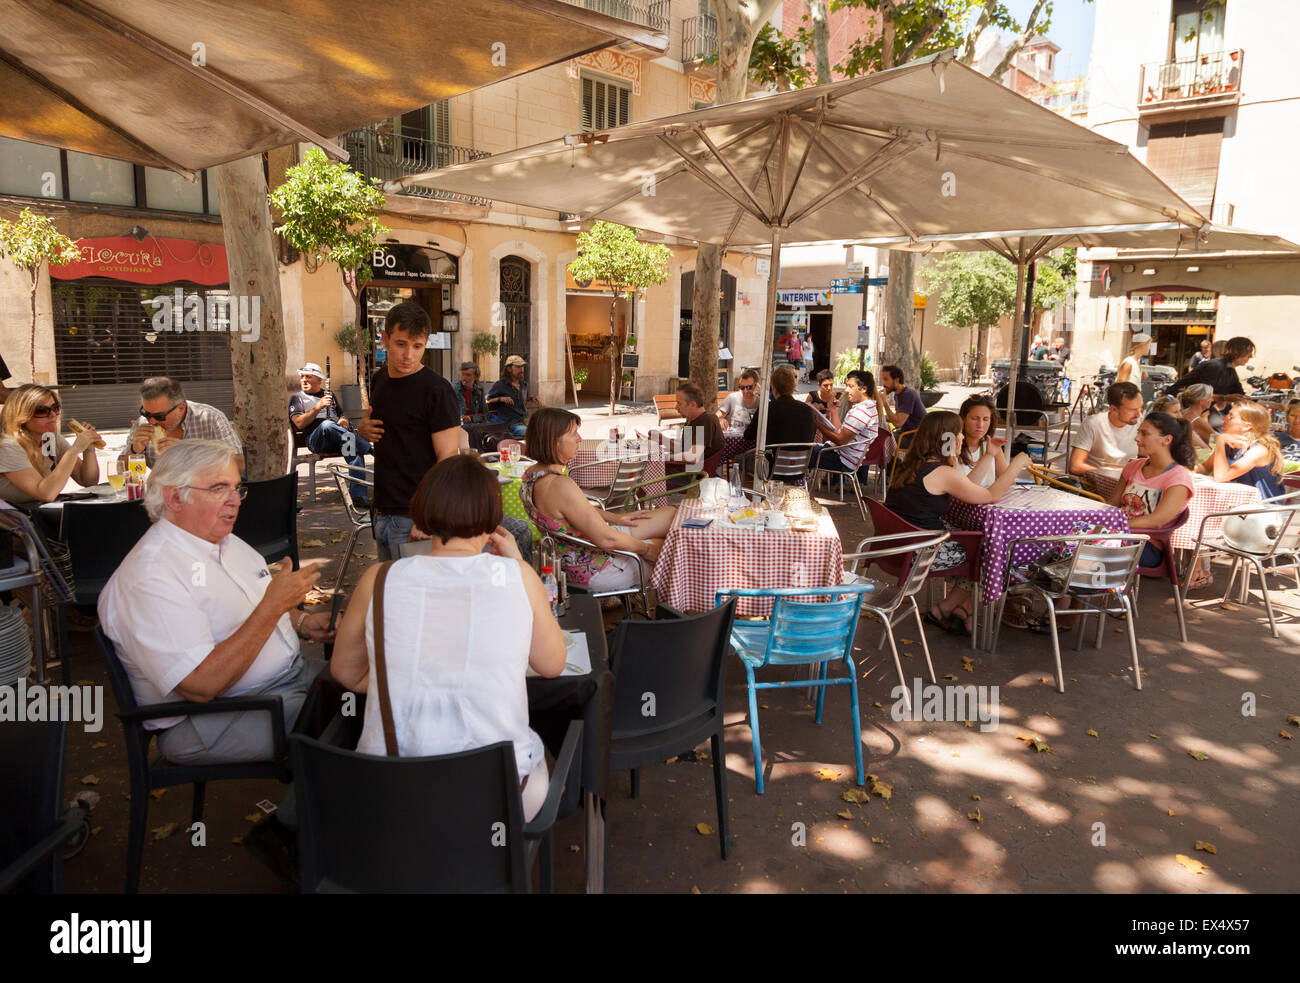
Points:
x=461 y=627
x=981 y=458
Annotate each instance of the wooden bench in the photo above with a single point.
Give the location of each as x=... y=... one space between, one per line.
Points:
x=666 y=407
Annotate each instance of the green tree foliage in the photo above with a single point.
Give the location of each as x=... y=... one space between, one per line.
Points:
x=611 y=255
x=972 y=289
x=30 y=243
x=779 y=60
x=332 y=212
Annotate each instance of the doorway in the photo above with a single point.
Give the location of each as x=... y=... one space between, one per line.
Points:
x=516 y=296
x=726 y=313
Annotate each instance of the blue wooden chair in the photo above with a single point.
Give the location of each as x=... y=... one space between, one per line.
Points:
x=800 y=632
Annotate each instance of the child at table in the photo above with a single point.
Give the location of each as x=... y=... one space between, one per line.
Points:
x=1154 y=488
x=1248 y=451
x=925 y=483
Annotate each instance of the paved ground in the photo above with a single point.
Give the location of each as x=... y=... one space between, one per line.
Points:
x=967 y=810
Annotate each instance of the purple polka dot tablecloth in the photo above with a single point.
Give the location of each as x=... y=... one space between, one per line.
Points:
x=1029 y=510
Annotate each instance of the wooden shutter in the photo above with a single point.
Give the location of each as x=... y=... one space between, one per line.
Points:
x=1186 y=156
x=604 y=104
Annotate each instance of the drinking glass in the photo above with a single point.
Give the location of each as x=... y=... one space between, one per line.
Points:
x=116 y=475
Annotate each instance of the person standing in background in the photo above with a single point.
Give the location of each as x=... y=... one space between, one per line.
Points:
x=1130 y=369
x=1202 y=354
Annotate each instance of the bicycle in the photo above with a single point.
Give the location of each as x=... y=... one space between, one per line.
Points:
x=967 y=375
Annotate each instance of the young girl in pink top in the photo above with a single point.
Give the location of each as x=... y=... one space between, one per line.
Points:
x=1153 y=489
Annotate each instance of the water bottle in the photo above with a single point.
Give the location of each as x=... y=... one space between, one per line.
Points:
x=737 y=489
x=552 y=589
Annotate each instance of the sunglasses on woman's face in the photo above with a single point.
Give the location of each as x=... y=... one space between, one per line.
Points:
x=43 y=411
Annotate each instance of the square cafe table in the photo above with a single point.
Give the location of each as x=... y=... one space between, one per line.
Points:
x=696 y=563
x=607 y=453
x=1029 y=510
x=1209 y=496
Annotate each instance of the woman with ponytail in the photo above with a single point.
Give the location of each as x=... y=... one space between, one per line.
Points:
x=1154 y=488
x=1248 y=451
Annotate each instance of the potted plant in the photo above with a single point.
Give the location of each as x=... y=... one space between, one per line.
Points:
x=630 y=343
x=483 y=345
x=346 y=338
x=930 y=391
x=579 y=377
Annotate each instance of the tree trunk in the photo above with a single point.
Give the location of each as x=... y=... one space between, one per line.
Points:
x=900 y=347
x=257 y=356
x=36 y=279
x=706 y=313
x=362 y=346
x=821 y=40
x=615 y=351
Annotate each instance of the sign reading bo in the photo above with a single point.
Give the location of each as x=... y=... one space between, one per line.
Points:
x=413 y=264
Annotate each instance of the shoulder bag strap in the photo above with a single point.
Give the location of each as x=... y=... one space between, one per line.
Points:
x=381 y=668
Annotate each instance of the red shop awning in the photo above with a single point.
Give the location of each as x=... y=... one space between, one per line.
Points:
x=153 y=261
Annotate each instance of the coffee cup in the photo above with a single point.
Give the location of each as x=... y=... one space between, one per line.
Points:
x=777 y=520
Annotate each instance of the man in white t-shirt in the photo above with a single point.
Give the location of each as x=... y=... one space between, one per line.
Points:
x=861 y=424
x=1107 y=441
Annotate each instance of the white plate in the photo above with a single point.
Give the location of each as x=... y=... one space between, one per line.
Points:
x=103 y=491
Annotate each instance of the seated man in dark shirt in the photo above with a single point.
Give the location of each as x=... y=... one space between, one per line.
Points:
x=1220 y=374
x=701 y=436
x=508 y=398
x=469 y=397
x=788 y=420
x=908 y=407
x=315 y=416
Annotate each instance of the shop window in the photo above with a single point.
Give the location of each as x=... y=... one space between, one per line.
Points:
x=100 y=179
x=30 y=169
x=171 y=192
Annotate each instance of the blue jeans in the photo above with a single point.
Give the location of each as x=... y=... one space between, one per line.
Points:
x=517 y=429
x=330 y=438
x=391 y=531
x=1152 y=555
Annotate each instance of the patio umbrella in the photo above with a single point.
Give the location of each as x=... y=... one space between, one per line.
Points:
x=932 y=148
x=186 y=84
x=1024 y=246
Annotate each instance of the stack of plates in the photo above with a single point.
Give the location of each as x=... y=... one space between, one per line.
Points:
x=15 y=646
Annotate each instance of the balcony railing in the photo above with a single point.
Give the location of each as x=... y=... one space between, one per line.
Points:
x=652 y=15
x=378 y=153
x=699 y=38
x=1215 y=77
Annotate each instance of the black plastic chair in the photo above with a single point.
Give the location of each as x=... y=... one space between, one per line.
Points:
x=33 y=824
x=99 y=536
x=268 y=518
x=449 y=823
x=683 y=662
x=161 y=773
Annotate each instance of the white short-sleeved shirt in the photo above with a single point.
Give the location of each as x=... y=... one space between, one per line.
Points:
x=457 y=633
x=1109 y=448
x=864 y=421
x=175 y=598
x=737 y=413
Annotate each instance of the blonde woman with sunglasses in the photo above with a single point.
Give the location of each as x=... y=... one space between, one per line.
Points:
x=35 y=459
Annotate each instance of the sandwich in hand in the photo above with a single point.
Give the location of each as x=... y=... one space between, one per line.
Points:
x=76 y=426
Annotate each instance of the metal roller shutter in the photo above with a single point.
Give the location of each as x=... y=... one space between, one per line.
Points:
x=105 y=344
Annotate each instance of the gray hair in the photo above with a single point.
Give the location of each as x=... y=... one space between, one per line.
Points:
x=1195 y=392
x=469 y=365
x=160 y=385
x=180 y=466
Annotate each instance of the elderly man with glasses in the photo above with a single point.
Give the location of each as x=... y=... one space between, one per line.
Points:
x=163 y=405
x=196 y=614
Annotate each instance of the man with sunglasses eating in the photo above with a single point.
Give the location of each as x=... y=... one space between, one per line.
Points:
x=741 y=406
x=163 y=404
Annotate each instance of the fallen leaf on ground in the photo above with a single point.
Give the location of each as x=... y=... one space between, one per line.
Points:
x=1091 y=733
x=1040 y=747
x=98 y=744
x=877 y=839
x=254 y=817
x=975 y=816
x=90 y=780
x=828 y=774
x=1292 y=719
x=967 y=723
x=967 y=664
x=311 y=544
x=236 y=840
x=1045 y=680
x=157 y=793
x=165 y=830
x=845 y=814
x=948 y=675
x=1284 y=733
x=96 y=830
x=1230 y=607
x=574 y=848
x=854 y=795
x=1195 y=866
x=1172 y=813
x=974 y=798
x=877 y=703
x=881 y=789
x=1207 y=847
x=1155 y=737
x=1199 y=755
x=906 y=641
x=694 y=889
x=704 y=829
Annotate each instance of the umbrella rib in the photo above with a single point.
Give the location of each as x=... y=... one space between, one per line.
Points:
x=833 y=151
x=705 y=176
x=206 y=75
x=1067 y=179
x=798 y=171
x=891 y=152
x=976 y=137
x=147 y=151
x=704 y=138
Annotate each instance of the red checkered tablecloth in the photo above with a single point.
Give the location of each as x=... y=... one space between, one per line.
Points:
x=1211 y=496
x=696 y=563
x=607 y=454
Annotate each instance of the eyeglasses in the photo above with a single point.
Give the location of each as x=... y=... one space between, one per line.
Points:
x=223 y=490
x=747 y=388
x=43 y=411
x=159 y=417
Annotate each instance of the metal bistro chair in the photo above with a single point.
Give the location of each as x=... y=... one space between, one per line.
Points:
x=798 y=634
x=1101 y=575
x=852 y=476
x=360 y=518
x=627 y=478
x=1276 y=516
x=37 y=571
x=899 y=451
x=1059 y=479
x=787 y=463
x=1167 y=568
x=886 y=602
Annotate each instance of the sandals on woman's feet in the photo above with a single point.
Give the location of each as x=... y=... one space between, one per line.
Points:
x=1206 y=579
x=958 y=621
x=938 y=620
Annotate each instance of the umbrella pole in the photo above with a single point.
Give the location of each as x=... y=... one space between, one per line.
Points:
x=769 y=339
x=1016 y=328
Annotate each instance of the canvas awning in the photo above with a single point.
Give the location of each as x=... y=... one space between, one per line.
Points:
x=186 y=84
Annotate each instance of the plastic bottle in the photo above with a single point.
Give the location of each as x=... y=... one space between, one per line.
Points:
x=552 y=589
x=737 y=489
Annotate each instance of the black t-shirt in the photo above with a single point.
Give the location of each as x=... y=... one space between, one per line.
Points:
x=788 y=422
x=412 y=408
x=1217 y=373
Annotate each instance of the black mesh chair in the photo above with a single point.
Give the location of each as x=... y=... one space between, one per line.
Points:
x=99 y=535
x=268 y=518
x=33 y=825
x=450 y=823
x=147 y=775
x=683 y=662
